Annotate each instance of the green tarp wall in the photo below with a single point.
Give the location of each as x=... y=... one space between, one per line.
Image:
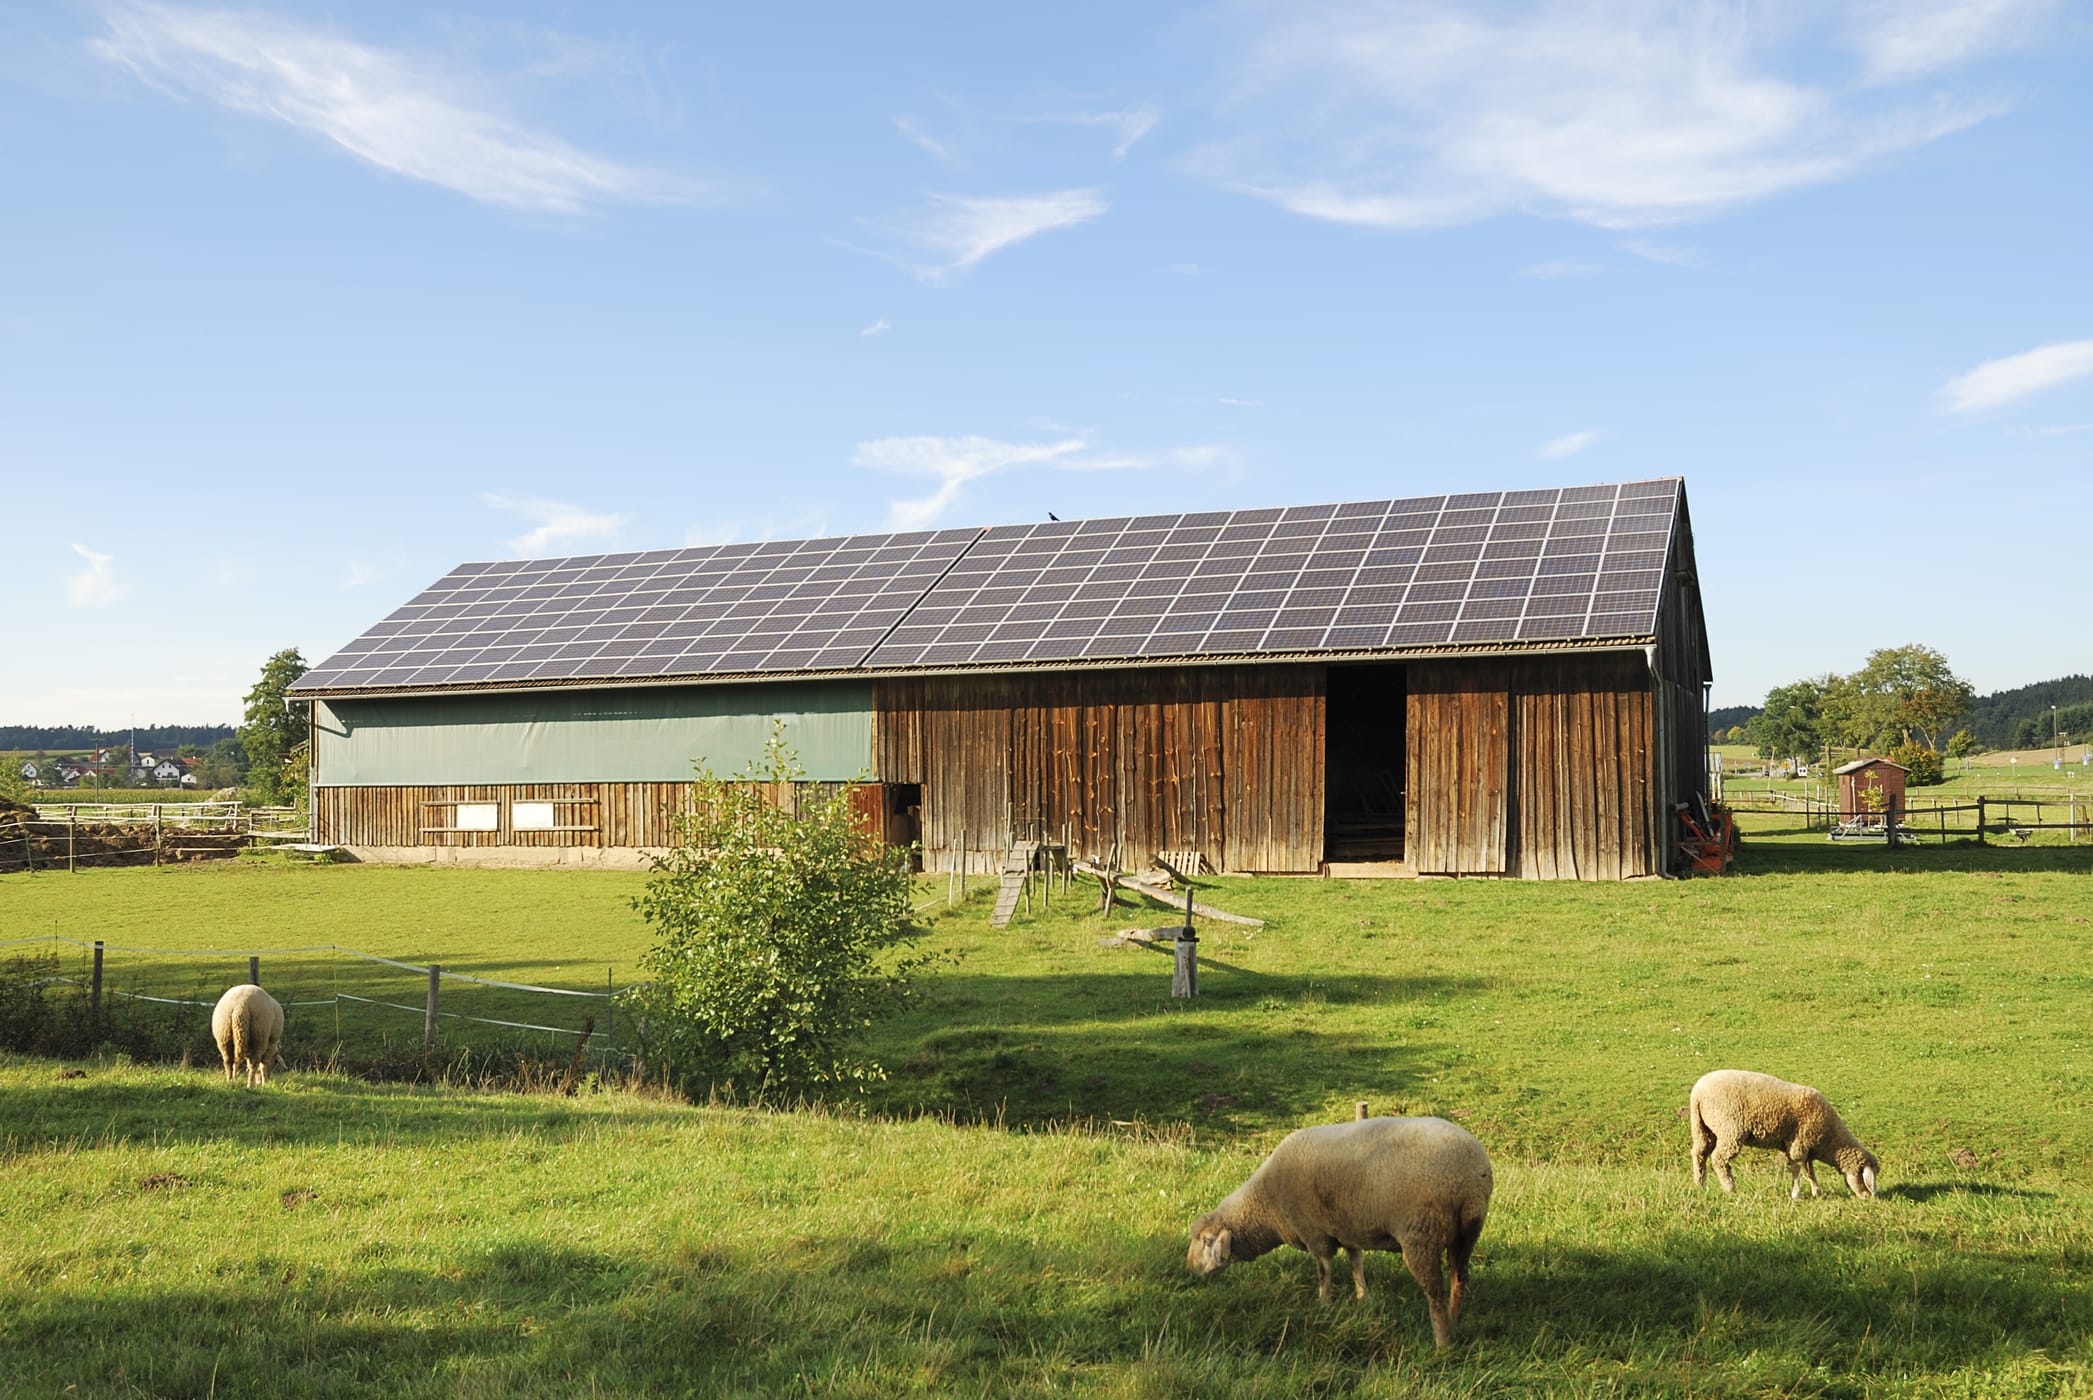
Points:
x=580 y=736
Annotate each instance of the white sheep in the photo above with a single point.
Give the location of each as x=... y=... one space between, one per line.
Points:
x=1736 y=1108
x=1417 y=1185
x=247 y=1023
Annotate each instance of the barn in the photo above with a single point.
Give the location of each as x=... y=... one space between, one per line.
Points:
x=1505 y=683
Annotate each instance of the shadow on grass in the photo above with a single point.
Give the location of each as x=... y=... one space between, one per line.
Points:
x=1923 y=1191
x=953 y=1309
x=293 y=1110
x=1813 y=855
x=1253 y=1050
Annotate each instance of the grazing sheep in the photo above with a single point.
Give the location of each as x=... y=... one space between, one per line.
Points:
x=1417 y=1185
x=1734 y=1108
x=247 y=1023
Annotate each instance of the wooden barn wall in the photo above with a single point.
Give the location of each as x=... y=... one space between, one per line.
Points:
x=1683 y=670
x=590 y=814
x=1114 y=761
x=1538 y=769
x=1457 y=814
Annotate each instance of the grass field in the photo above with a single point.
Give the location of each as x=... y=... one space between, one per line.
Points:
x=1007 y=1212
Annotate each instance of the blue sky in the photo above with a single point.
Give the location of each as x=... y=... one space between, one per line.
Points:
x=302 y=305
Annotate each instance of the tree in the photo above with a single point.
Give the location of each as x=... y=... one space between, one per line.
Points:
x=1902 y=693
x=1962 y=745
x=273 y=728
x=780 y=937
x=1789 y=725
x=224 y=766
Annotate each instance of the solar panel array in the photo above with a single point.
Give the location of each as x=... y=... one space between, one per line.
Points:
x=1431 y=572
x=789 y=605
x=1582 y=563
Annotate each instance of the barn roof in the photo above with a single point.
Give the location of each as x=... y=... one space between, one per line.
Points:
x=1576 y=567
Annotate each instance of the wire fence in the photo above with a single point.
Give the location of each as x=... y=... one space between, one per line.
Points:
x=302 y=975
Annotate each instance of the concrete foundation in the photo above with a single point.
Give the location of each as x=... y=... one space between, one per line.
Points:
x=506 y=857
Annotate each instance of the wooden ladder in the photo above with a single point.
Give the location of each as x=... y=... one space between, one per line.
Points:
x=1017 y=865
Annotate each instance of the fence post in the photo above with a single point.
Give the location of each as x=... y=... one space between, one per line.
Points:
x=94 y=994
x=1184 y=977
x=156 y=833
x=254 y=969
x=610 y=994
x=1359 y=1111
x=72 y=825
x=1980 y=819
x=429 y=1020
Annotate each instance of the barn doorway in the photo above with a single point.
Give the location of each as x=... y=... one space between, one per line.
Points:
x=1365 y=730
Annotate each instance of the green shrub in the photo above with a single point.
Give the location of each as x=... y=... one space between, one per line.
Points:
x=781 y=925
x=1922 y=765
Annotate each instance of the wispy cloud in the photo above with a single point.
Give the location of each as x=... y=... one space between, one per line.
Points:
x=879 y=327
x=953 y=462
x=1902 y=39
x=1128 y=126
x=951 y=234
x=97 y=584
x=2013 y=377
x=559 y=526
x=1617 y=113
x=399 y=113
x=357 y=573
x=1670 y=255
x=1567 y=445
x=1230 y=401
x=912 y=132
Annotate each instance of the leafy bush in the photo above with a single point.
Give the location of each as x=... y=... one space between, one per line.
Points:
x=781 y=923
x=1922 y=765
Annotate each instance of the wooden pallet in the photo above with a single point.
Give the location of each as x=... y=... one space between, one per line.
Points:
x=1017 y=867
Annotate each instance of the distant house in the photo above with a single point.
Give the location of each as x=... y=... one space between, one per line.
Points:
x=169 y=770
x=29 y=771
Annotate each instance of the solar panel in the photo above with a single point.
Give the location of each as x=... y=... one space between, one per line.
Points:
x=1481 y=568
x=1434 y=571
x=797 y=605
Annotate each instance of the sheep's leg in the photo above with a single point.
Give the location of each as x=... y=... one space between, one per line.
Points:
x=1702 y=1141
x=1324 y=1251
x=1423 y=1260
x=225 y=1053
x=1457 y=1254
x=1806 y=1167
x=1724 y=1152
x=1358 y=1258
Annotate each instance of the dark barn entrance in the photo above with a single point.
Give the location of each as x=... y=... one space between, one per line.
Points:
x=1363 y=763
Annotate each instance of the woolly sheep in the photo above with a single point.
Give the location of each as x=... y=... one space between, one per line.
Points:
x=1735 y=1108
x=247 y=1023
x=1420 y=1186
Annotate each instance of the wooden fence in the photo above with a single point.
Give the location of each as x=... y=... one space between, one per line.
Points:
x=2010 y=820
x=73 y=836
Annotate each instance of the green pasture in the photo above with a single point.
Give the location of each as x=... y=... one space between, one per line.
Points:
x=1006 y=1213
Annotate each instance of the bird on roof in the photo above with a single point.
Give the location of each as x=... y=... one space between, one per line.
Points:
x=1052 y=516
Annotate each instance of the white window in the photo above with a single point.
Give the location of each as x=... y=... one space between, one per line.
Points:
x=479 y=816
x=530 y=816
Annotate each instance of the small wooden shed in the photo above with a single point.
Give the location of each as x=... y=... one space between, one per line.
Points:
x=1858 y=778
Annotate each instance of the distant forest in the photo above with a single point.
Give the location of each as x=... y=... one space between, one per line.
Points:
x=71 y=738
x=2010 y=719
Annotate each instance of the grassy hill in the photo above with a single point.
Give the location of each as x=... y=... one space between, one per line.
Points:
x=1006 y=1215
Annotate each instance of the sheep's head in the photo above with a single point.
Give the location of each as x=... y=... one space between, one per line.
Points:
x=1209 y=1252
x=1858 y=1166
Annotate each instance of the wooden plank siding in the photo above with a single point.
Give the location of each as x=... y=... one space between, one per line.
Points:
x=1536 y=769
x=622 y=814
x=1115 y=761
